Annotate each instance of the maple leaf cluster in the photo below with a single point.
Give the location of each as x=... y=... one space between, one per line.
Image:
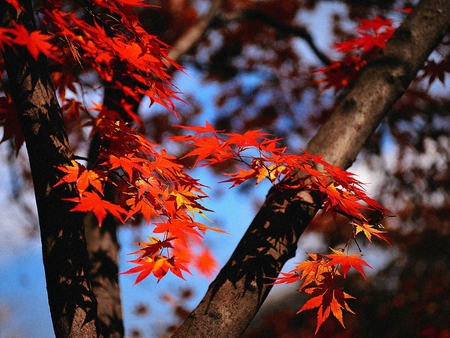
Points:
x=265 y=159
x=36 y=42
x=341 y=193
x=372 y=37
x=114 y=44
x=101 y=36
x=152 y=185
x=320 y=277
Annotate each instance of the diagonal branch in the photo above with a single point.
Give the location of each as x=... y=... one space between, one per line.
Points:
x=237 y=293
x=194 y=33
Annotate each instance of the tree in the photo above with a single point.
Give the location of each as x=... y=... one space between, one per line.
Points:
x=272 y=237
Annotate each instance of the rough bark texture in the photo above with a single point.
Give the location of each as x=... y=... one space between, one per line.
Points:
x=103 y=269
x=71 y=300
x=236 y=294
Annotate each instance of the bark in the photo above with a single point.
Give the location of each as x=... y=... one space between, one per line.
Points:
x=103 y=270
x=71 y=300
x=237 y=293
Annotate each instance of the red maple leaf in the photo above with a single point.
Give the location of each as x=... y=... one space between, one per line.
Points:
x=158 y=266
x=328 y=299
x=377 y=24
x=206 y=147
x=249 y=138
x=179 y=228
x=127 y=163
x=143 y=206
x=208 y=128
x=372 y=34
x=36 y=42
x=153 y=246
x=90 y=178
x=241 y=176
x=72 y=172
x=91 y=201
x=83 y=178
x=145 y=266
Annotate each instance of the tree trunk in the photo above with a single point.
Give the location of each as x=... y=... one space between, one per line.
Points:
x=102 y=244
x=103 y=270
x=237 y=293
x=72 y=303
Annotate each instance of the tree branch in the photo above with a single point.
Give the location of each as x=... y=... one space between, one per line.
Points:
x=72 y=302
x=193 y=34
x=257 y=15
x=237 y=293
x=381 y=84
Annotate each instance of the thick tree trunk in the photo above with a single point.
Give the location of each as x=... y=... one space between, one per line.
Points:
x=237 y=293
x=72 y=303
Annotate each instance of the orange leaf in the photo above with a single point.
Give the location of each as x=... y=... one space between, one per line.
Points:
x=287 y=278
x=241 y=176
x=312 y=303
x=205 y=263
x=312 y=270
x=159 y=266
x=143 y=206
x=77 y=173
x=208 y=128
x=127 y=163
x=146 y=266
x=368 y=231
x=89 y=178
x=72 y=172
x=347 y=261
